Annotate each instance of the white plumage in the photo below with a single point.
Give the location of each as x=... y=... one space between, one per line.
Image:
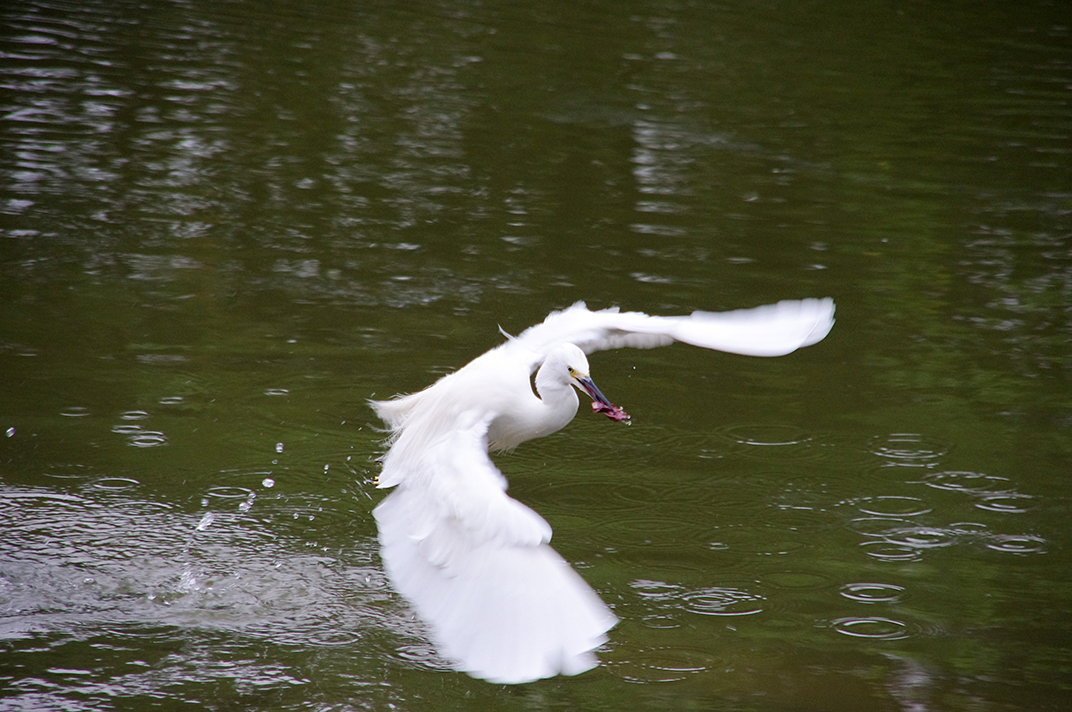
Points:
x=476 y=564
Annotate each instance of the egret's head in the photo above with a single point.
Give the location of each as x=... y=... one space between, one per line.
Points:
x=576 y=364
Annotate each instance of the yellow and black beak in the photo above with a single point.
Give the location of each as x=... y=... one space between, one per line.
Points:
x=600 y=403
x=586 y=384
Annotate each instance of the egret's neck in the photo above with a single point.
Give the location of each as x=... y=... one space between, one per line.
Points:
x=549 y=413
x=558 y=400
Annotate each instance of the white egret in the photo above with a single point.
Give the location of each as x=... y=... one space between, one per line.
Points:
x=475 y=563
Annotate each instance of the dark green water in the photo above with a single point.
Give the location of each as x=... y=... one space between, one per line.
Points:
x=225 y=225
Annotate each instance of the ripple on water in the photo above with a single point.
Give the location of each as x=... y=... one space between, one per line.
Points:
x=138 y=436
x=75 y=411
x=327 y=635
x=873 y=627
x=671 y=534
x=717 y=601
x=797 y=580
x=921 y=537
x=148 y=438
x=1012 y=503
x=230 y=492
x=885 y=551
x=70 y=471
x=770 y=441
x=975 y=483
x=876 y=526
x=892 y=506
x=872 y=592
x=909 y=447
x=1017 y=544
x=668 y=598
x=904 y=542
x=420 y=656
x=799 y=508
x=116 y=484
x=995 y=494
x=663 y=664
x=608 y=494
x=658 y=440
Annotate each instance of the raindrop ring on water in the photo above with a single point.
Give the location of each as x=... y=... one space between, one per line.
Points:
x=148 y=438
x=874 y=627
x=872 y=592
x=766 y=435
x=967 y=482
x=231 y=492
x=659 y=665
x=894 y=506
x=887 y=551
x=1011 y=503
x=721 y=602
x=910 y=447
x=116 y=483
x=1018 y=544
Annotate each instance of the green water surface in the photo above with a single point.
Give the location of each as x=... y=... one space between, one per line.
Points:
x=225 y=225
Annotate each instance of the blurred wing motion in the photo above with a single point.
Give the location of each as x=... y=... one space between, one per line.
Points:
x=773 y=330
x=476 y=564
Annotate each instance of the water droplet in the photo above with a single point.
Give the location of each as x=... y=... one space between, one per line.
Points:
x=279 y=447
x=268 y=482
x=206 y=522
x=11 y=432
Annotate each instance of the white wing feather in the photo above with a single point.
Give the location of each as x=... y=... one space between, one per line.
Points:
x=476 y=566
x=772 y=330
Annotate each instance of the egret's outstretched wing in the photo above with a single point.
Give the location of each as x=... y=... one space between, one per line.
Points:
x=773 y=330
x=476 y=566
